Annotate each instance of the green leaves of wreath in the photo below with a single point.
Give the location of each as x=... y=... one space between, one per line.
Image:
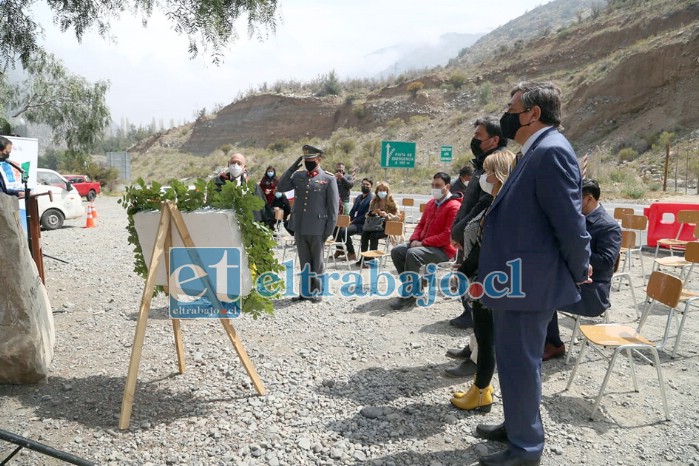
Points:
x=257 y=238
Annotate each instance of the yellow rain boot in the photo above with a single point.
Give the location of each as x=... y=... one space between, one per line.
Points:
x=475 y=399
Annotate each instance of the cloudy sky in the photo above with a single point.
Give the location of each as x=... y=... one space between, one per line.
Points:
x=152 y=75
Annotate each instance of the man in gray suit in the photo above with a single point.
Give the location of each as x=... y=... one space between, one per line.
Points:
x=313 y=217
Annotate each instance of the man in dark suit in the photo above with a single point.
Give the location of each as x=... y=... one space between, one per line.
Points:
x=534 y=252
x=314 y=215
x=357 y=216
x=605 y=245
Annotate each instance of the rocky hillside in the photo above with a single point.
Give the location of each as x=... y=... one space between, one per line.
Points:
x=629 y=71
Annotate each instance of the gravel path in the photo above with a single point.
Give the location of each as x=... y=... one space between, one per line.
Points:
x=349 y=381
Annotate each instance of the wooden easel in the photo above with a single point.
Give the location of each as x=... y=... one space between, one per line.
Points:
x=170 y=216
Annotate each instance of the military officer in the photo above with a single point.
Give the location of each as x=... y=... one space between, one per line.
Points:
x=313 y=217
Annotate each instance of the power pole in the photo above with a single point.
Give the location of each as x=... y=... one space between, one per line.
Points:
x=667 y=160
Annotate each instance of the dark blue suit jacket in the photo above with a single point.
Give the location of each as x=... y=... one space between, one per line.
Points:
x=605 y=245
x=536 y=218
x=359 y=211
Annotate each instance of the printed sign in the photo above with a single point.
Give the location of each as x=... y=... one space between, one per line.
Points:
x=204 y=283
x=397 y=154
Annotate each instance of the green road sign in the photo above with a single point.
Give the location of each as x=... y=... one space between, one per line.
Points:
x=445 y=154
x=397 y=154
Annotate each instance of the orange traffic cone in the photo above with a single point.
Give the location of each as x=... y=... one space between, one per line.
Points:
x=94 y=209
x=90 y=222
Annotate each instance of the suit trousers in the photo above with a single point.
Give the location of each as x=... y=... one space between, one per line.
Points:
x=553 y=333
x=483 y=329
x=311 y=250
x=519 y=346
x=407 y=259
x=351 y=230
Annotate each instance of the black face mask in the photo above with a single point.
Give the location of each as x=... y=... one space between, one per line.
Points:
x=310 y=165
x=509 y=123
x=476 y=147
x=366 y=189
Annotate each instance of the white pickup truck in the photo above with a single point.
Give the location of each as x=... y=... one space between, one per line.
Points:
x=66 y=203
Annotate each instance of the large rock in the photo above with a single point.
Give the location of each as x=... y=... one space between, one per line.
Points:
x=27 y=334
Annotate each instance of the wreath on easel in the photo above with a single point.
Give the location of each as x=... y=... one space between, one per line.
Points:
x=257 y=238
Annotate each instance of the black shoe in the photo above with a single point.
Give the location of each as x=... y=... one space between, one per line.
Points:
x=464 y=353
x=298 y=298
x=463 y=321
x=506 y=458
x=400 y=303
x=465 y=369
x=495 y=432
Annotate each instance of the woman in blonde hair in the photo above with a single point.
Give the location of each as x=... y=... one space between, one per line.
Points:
x=497 y=167
x=383 y=206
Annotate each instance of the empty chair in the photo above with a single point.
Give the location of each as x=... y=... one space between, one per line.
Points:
x=628 y=241
x=409 y=202
x=666 y=285
x=686 y=219
x=338 y=242
x=622 y=339
x=620 y=212
x=637 y=224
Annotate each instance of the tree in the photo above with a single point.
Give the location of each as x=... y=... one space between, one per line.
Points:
x=49 y=94
x=205 y=23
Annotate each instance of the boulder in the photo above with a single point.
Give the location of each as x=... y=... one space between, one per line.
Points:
x=27 y=334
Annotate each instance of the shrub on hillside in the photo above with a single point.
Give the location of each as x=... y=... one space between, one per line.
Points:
x=360 y=111
x=280 y=145
x=634 y=190
x=457 y=80
x=415 y=87
x=627 y=154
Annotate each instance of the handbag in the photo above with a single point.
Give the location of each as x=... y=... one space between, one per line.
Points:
x=373 y=223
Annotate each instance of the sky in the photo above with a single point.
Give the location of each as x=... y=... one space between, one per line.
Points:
x=152 y=76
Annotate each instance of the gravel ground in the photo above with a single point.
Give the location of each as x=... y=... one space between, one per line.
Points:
x=349 y=381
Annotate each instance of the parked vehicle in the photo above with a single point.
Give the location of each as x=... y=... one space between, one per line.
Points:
x=86 y=187
x=66 y=203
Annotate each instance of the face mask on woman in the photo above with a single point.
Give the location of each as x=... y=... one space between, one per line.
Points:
x=270 y=174
x=486 y=186
x=278 y=195
x=382 y=194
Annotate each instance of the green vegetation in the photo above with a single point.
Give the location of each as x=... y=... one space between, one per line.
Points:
x=258 y=241
x=627 y=154
x=207 y=24
x=329 y=85
x=415 y=87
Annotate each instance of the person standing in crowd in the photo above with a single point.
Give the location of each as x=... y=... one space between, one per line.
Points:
x=534 y=233
x=487 y=138
x=465 y=174
x=6 y=169
x=605 y=244
x=429 y=242
x=344 y=185
x=383 y=205
x=314 y=215
x=237 y=174
x=479 y=397
x=357 y=215
x=268 y=184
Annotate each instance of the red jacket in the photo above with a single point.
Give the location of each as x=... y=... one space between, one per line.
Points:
x=434 y=227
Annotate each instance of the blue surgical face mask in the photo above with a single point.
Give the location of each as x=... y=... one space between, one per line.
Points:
x=270 y=174
x=382 y=194
x=277 y=194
